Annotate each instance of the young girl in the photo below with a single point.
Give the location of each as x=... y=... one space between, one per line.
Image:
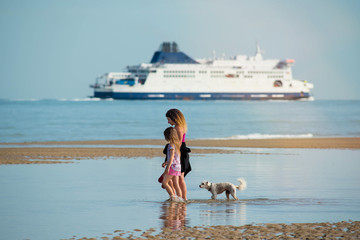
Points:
x=173 y=167
x=177 y=119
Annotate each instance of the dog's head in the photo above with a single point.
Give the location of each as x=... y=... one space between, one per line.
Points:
x=205 y=184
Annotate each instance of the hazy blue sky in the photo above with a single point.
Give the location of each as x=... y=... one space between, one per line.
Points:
x=55 y=49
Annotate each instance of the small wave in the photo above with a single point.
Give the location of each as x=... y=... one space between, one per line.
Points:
x=22 y=100
x=265 y=136
x=310 y=99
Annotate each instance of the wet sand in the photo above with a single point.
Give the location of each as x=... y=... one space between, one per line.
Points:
x=39 y=155
x=322 y=143
x=59 y=152
x=326 y=230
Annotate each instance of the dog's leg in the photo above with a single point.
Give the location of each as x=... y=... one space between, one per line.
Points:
x=213 y=195
x=233 y=193
x=228 y=195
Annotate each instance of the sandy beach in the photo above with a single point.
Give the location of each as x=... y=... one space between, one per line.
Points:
x=57 y=152
x=66 y=152
x=325 y=230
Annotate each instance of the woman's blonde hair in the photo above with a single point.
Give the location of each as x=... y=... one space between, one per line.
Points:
x=178 y=118
x=171 y=136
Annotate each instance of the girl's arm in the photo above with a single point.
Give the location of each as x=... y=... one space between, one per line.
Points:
x=172 y=153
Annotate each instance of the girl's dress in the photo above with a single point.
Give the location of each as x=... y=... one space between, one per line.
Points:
x=184 y=157
x=175 y=168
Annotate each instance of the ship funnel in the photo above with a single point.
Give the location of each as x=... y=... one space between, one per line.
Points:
x=169 y=47
x=169 y=53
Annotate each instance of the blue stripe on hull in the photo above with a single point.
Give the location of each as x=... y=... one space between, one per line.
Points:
x=203 y=96
x=103 y=94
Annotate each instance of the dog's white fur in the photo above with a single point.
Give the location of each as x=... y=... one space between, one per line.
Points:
x=218 y=188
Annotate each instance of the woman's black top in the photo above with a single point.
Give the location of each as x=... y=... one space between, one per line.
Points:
x=184 y=158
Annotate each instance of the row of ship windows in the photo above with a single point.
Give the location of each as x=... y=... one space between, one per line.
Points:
x=179 y=76
x=179 y=71
x=271 y=76
x=251 y=76
x=204 y=72
x=222 y=72
x=264 y=72
x=215 y=76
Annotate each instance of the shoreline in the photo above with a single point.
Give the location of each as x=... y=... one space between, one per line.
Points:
x=62 y=152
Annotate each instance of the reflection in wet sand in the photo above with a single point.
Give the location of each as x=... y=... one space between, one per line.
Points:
x=221 y=211
x=173 y=215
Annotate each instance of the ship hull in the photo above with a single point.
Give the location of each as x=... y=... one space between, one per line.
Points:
x=201 y=96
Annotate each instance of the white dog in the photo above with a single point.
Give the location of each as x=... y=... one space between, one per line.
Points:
x=218 y=188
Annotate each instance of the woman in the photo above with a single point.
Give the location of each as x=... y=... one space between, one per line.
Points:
x=177 y=119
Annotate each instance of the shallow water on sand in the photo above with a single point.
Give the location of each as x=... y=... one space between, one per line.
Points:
x=96 y=197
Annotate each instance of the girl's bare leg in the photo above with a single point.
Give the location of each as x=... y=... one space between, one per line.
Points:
x=172 y=185
x=167 y=186
x=182 y=185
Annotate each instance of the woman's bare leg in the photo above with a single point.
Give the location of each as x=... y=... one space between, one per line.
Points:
x=182 y=185
x=175 y=180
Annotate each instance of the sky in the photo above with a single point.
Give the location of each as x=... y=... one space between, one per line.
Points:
x=54 y=49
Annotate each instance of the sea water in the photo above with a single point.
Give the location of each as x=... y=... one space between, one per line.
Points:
x=96 y=197
x=93 y=119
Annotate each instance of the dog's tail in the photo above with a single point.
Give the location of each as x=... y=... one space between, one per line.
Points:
x=242 y=185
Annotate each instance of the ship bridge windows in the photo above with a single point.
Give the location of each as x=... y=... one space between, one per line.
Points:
x=278 y=83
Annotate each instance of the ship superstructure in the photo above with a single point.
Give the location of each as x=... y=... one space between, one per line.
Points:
x=171 y=74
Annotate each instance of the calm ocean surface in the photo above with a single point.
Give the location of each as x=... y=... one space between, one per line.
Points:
x=89 y=119
x=95 y=197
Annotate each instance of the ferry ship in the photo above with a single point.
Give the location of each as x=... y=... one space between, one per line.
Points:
x=172 y=74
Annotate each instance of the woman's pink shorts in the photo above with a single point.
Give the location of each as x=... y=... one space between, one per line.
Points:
x=174 y=173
